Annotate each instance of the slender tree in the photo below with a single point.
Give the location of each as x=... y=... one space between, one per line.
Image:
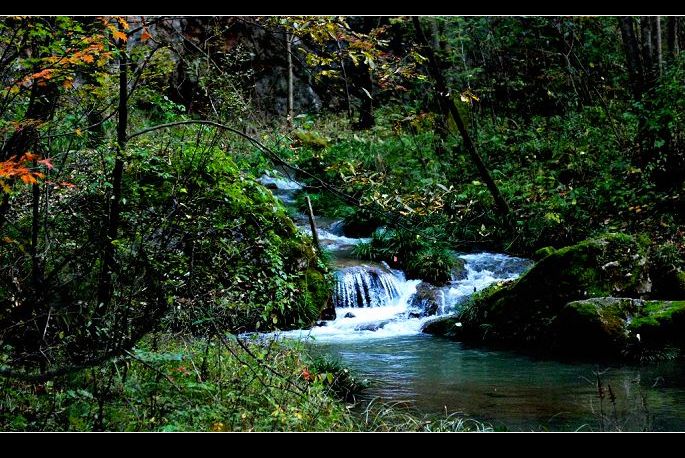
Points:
x=108 y=261
x=672 y=23
x=632 y=52
x=448 y=109
x=289 y=54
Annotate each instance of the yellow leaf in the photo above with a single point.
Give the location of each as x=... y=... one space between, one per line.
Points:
x=119 y=35
x=28 y=179
x=145 y=35
x=467 y=96
x=78 y=132
x=68 y=84
x=87 y=58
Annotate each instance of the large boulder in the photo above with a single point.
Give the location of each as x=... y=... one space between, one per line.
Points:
x=621 y=328
x=362 y=223
x=523 y=313
x=596 y=327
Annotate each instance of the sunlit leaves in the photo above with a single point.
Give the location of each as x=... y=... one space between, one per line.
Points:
x=468 y=97
x=336 y=44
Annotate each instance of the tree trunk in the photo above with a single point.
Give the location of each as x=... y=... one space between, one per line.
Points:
x=632 y=52
x=672 y=36
x=40 y=109
x=435 y=31
x=647 y=54
x=291 y=110
x=448 y=108
x=108 y=262
x=656 y=44
x=345 y=80
x=312 y=225
x=36 y=275
x=366 y=119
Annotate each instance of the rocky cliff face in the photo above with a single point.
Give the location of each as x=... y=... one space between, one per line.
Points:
x=237 y=46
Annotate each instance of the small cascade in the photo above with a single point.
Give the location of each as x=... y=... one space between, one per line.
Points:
x=379 y=302
x=364 y=286
x=282 y=188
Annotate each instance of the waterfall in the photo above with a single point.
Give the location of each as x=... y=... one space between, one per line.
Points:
x=364 y=286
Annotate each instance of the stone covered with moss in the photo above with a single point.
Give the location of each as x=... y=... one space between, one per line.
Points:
x=661 y=323
x=596 y=327
x=621 y=328
x=524 y=313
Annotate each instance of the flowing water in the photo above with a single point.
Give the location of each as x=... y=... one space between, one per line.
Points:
x=377 y=332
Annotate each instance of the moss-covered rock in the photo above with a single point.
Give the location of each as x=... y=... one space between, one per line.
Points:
x=257 y=271
x=621 y=328
x=543 y=252
x=446 y=326
x=661 y=323
x=595 y=327
x=523 y=313
x=311 y=139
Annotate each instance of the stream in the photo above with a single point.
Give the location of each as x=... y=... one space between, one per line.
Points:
x=377 y=333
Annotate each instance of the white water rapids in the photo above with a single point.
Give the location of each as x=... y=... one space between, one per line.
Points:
x=393 y=317
x=374 y=301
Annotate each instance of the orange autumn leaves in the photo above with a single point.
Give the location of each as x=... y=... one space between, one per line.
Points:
x=91 y=50
x=23 y=168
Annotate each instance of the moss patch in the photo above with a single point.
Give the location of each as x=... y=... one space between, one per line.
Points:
x=543 y=252
x=661 y=323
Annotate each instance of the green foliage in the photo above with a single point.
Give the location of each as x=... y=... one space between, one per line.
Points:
x=181 y=385
x=241 y=256
x=363 y=250
x=432 y=265
x=344 y=383
x=395 y=417
x=211 y=385
x=666 y=258
x=324 y=203
x=420 y=256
